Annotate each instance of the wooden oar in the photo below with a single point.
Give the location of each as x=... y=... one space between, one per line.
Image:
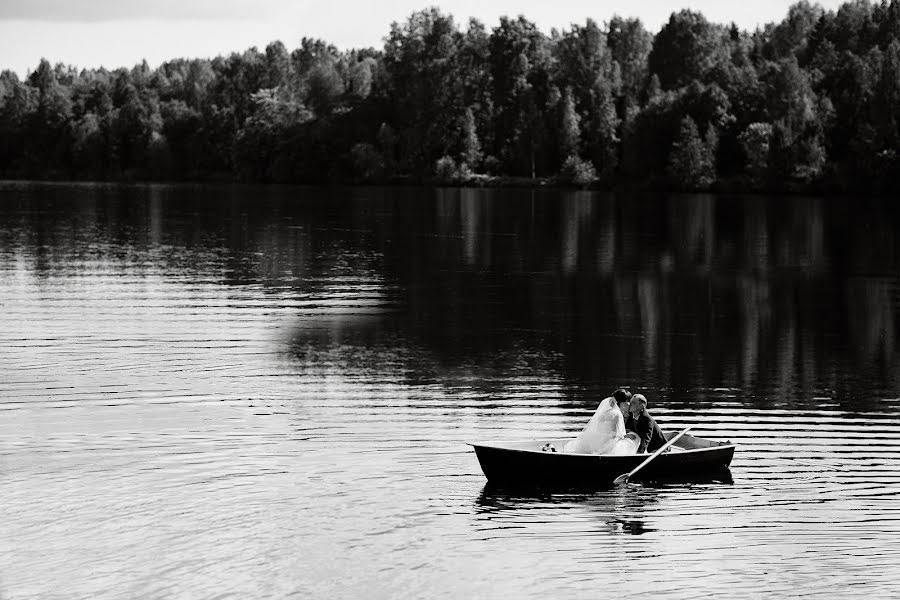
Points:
x=624 y=478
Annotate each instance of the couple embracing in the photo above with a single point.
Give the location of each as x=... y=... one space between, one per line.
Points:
x=621 y=425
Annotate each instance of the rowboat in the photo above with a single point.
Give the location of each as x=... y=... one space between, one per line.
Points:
x=525 y=463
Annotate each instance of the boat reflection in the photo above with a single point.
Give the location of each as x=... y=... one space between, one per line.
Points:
x=613 y=511
x=631 y=509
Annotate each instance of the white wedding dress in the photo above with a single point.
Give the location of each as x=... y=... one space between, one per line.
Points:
x=604 y=433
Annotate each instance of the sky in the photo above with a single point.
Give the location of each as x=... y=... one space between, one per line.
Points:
x=115 y=33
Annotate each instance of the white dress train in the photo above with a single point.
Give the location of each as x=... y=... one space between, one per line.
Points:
x=604 y=433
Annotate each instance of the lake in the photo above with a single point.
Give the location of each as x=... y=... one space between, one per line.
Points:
x=266 y=392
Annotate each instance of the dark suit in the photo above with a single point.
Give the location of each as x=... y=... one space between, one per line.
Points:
x=649 y=433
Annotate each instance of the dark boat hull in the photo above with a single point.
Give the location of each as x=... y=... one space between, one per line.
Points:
x=523 y=463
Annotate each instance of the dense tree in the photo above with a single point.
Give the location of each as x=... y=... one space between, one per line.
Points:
x=360 y=77
x=19 y=107
x=259 y=152
x=603 y=138
x=810 y=101
x=477 y=85
x=687 y=48
x=585 y=66
x=630 y=44
x=324 y=88
x=421 y=58
x=584 y=63
x=755 y=141
x=8 y=81
x=181 y=127
x=520 y=74
x=798 y=131
x=278 y=66
x=89 y=145
x=791 y=36
x=47 y=132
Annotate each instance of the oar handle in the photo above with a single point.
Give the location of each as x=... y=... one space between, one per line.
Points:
x=624 y=478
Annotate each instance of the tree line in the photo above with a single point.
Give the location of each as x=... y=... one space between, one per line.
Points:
x=810 y=103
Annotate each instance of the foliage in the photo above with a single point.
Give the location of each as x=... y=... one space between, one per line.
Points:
x=755 y=141
x=578 y=172
x=688 y=47
x=690 y=161
x=629 y=46
x=447 y=171
x=570 y=134
x=471 y=146
x=810 y=101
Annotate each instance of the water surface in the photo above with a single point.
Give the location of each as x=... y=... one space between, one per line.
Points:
x=249 y=392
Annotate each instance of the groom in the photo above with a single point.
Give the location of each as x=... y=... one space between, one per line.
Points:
x=639 y=421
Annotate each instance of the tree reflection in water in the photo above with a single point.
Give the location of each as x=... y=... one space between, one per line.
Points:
x=776 y=297
x=785 y=301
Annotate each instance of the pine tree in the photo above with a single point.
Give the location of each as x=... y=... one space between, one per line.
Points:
x=654 y=89
x=688 y=160
x=570 y=134
x=886 y=100
x=711 y=152
x=471 y=146
x=605 y=136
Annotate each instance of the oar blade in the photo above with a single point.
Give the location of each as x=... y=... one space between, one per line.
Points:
x=621 y=479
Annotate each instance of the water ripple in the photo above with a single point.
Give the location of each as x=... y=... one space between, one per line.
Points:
x=257 y=417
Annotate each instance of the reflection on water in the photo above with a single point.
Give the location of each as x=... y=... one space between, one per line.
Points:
x=265 y=392
x=616 y=511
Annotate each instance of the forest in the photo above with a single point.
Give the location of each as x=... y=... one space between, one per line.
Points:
x=810 y=104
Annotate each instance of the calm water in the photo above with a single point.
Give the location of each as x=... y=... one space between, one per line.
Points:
x=242 y=392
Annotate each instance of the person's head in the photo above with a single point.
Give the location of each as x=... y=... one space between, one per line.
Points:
x=637 y=403
x=621 y=397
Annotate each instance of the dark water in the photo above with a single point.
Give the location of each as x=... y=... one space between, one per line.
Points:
x=241 y=392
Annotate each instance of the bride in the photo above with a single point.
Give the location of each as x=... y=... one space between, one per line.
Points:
x=605 y=432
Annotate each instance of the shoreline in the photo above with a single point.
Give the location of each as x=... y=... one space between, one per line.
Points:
x=484 y=182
